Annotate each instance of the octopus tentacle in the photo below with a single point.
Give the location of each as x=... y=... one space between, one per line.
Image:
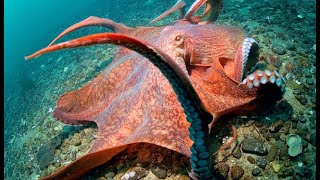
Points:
x=179 y=6
x=93 y=21
x=196 y=114
x=194 y=7
x=210 y=14
x=259 y=78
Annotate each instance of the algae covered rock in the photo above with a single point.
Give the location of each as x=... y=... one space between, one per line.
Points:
x=295 y=145
x=254 y=146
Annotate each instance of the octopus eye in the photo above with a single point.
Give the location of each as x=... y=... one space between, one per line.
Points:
x=179 y=40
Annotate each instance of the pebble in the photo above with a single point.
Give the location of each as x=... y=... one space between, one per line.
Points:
x=309 y=81
x=272 y=153
x=237 y=152
x=223 y=169
x=283 y=150
x=303 y=119
x=134 y=173
x=119 y=166
x=290 y=46
x=275 y=166
x=256 y=172
x=279 y=49
x=159 y=172
x=276 y=126
x=252 y=145
x=302 y=99
x=286 y=172
x=251 y=159
x=313 y=138
x=236 y=172
x=283 y=137
x=76 y=140
x=261 y=162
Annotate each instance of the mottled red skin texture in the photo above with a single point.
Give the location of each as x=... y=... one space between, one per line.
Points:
x=132 y=102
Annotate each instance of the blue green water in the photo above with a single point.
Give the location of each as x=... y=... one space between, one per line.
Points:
x=33 y=87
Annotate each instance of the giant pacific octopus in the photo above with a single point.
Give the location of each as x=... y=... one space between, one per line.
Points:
x=166 y=86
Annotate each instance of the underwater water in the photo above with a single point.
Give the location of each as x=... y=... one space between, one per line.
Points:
x=38 y=144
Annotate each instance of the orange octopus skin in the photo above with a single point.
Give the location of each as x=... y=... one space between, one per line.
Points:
x=132 y=102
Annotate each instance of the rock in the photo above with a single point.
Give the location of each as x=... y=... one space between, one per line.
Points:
x=223 y=169
x=283 y=137
x=109 y=175
x=286 y=172
x=76 y=140
x=302 y=99
x=261 y=162
x=309 y=81
x=237 y=152
x=251 y=159
x=236 y=172
x=290 y=46
x=252 y=145
x=313 y=138
x=283 y=151
x=295 y=145
x=159 y=172
x=119 y=166
x=272 y=153
x=45 y=155
x=275 y=166
x=276 y=126
x=134 y=173
x=279 y=49
x=256 y=172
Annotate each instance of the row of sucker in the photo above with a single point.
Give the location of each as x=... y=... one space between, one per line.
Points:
x=246 y=46
x=198 y=129
x=259 y=78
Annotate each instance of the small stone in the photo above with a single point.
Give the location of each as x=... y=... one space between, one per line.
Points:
x=283 y=137
x=134 y=173
x=286 y=172
x=286 y=127
x=236 y=172
x=290 y=46
x=237 y=152
x=159 y=172
x=109 y=175
x=76 y=140
x=73 y=155
x=261 y=162
x=275 y=166
x=252 y=145
x=279 y=49
x=283 y=151
x=313 y=138
x=256 y=172
x=251 y=159
x=276 y=126
x=223 y=169
x=119 y=166
x=272 y=153
x=309 y=81
x=302 y=99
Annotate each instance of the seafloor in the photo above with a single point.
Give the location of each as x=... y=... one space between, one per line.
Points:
x=37 y=145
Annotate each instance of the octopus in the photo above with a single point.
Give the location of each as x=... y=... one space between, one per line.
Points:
x=167 y=86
